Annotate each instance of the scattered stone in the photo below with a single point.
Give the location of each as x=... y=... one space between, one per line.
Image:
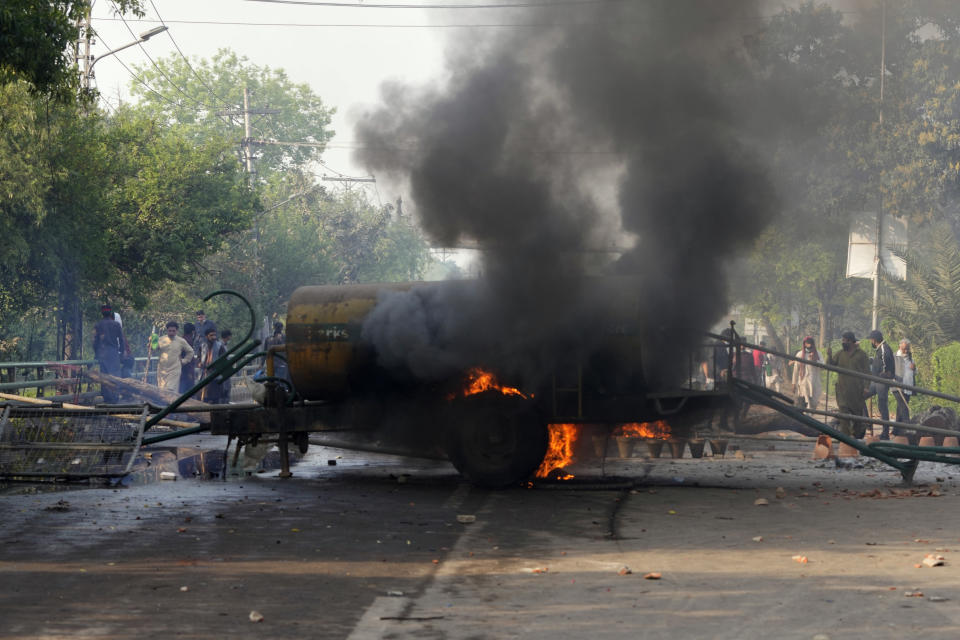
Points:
x=758 y=538
x=466 y=519
x=256 y=616
x=624 y=571
x=184 y=589
x=801 y=559
x=913 y=594
x=395 y=594
x=653 y=575
x=932 y=560
x=761 y=502
x=781 y=493
x=937 y=599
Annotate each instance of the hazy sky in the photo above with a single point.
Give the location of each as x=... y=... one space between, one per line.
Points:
x=344 y=63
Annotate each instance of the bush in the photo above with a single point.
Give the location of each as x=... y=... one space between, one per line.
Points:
x=941 y=374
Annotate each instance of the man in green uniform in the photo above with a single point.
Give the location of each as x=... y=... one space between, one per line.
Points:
x=850 y=389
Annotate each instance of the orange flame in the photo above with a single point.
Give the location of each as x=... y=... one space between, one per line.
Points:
x=559 y=451
x=659 y=430
x=479 y=381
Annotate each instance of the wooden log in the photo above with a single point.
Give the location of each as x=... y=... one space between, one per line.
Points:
x=180 y=424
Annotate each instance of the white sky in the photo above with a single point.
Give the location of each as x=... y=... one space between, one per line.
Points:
x=344 y=63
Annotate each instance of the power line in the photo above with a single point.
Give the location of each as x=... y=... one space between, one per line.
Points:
x=506 y=5
x=140 y=80
x=187 y=61
x=157 y=67
x=475 y=25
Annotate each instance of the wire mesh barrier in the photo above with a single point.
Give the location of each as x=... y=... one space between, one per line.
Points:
x=56 y=443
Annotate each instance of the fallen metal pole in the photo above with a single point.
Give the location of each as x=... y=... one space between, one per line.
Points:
x=752 y=391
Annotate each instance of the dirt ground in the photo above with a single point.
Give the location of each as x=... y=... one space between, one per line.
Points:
x=378 y=547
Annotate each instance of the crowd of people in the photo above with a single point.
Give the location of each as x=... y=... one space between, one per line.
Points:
x=182 y=359
x=851 y=392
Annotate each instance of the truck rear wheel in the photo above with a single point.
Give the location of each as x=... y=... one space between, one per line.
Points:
x=494 y=440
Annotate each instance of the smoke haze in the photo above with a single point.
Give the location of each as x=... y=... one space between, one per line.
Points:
x=519 y=150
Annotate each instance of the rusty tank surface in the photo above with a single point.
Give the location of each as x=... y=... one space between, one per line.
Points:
x=326 y=357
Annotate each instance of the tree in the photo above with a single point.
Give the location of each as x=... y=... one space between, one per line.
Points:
x=105 y=208
x=202 y=90
x=37 y=42
x=926 y=306
x=305 y=234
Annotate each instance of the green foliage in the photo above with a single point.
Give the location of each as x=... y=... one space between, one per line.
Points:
x=943 y=376
x=200 y=106
x=37 y=42
x=926 y=306
x=104 y=209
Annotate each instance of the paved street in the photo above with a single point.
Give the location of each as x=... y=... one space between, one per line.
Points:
x=372 y=548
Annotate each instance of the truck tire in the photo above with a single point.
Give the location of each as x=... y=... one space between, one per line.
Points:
x=495 y=441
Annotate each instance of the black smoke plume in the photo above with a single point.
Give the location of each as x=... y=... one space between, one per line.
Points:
x=604 y=121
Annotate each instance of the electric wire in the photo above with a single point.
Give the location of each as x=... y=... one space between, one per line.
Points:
x=209 y=89
x=503 y=5
x=158 y=68
x=475 y=25
x=136 y=77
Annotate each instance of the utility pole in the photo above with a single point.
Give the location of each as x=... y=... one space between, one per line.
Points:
x=247 y=146
x=247 y=143
x=875 y=317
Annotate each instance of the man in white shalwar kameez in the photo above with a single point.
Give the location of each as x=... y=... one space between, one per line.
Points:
x=175 y=352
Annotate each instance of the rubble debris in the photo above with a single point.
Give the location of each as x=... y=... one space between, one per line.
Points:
x=932 y=560
x=59 y=505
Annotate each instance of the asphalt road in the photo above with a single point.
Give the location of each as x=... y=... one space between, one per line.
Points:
x=373 y=548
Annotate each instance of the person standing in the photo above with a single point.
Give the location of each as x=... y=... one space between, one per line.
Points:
x=211 y=349
x=907 y=374
x=188 y=372
x=277 y=339
x=806 y=379
x=109 y=346
x=174 y=354
x=225 y=336
x=850 y=389
x=883 y=365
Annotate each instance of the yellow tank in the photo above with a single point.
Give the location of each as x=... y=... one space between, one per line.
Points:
x=324 y=351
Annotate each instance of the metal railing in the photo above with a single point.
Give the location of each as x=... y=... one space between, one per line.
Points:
x=45 y=379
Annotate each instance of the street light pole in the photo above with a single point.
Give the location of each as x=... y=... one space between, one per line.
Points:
x=146 y=35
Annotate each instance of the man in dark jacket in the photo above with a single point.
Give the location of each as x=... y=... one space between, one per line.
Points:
x=850 y=389
x=211 y=349
x=883 y=365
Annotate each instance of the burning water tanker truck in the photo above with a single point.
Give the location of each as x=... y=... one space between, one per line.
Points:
x=495 y=431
